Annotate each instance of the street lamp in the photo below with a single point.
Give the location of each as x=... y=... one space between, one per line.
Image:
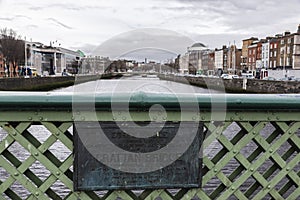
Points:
x=25 y=49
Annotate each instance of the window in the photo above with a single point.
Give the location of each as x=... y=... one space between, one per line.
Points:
x=270 y=63
x=275 y=45
x=271 y=54
x=274 y=63
x=250 y=51
x=275 y=53
x=249 y=60
x=271 y=46
x=288 y=50
x=289 y=40
x=282 y=41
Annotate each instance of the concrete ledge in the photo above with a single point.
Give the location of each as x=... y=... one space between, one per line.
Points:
x=236 y=85
x=48 y=83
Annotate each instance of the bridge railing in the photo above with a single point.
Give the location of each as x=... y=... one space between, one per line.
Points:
x=251 y=148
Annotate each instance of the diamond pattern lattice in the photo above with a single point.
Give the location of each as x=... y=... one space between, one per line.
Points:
x=242 y=160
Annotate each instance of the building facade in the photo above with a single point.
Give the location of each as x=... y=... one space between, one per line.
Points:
x=49 y=60
x=234 y=59
x=286 y=52
x=221 y=59
x=195 y=57
x=207 y=62
x=95 y=64
x=184 y=63
x=258 y=64
x=265 y=49
x=296 y=50
x=244 y=57
x=2 y=68
x=273 y=52
x=252 y=55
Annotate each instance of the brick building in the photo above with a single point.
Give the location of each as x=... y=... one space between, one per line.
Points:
x=234 y=59
x=252 y=56
x=2 y=68
x=244 y=57
x=289 y=50
x=208 y=62
x=273 y=58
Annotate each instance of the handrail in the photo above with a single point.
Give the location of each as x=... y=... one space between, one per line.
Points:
x=140 y=100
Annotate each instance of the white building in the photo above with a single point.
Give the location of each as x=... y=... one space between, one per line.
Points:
x=49 y=60
x=265 y=51
x=184 y=63
x=219 y=61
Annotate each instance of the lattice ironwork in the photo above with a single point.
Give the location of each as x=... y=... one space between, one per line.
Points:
x=253 y=159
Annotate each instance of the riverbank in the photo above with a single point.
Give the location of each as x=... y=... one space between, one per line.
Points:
x=237 y=85
x=48 y=83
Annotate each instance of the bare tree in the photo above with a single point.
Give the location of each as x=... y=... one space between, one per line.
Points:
x=13 y=49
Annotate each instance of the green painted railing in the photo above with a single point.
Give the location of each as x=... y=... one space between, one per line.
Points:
x=251 y=148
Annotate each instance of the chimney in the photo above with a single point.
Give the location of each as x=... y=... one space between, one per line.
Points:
x=287 y=33
x=298 y=29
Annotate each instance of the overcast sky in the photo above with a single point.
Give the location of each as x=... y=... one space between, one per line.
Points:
x=85 y=24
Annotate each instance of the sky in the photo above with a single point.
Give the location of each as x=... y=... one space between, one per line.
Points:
x=93 y=24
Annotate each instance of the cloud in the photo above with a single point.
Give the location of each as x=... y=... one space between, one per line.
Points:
x=31 y=26
x=144 y=40
x=149 y=54
x=66 y=6
x=86 y=48
x=245 y=16
x=23 y=16
x=6 y=18
x=59 y=23
x=212 y=22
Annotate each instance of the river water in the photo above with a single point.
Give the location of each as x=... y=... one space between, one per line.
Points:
x=131 y=84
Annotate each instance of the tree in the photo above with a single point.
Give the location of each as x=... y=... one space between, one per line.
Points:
x=13 y=49
x=75 y=66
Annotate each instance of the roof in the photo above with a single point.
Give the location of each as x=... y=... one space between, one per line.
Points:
x=252 y=38
x=198 y=44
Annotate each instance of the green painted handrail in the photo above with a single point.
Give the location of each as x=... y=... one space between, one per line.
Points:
x=140 y=100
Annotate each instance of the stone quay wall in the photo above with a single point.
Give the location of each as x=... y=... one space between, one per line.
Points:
x=47 y=83
x=238 y=85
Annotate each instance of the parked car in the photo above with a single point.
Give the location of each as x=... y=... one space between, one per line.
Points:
x=34 y=72
x=247 y=76
x=229 y=76
x=269 y=78
x=284 y=79
x=226 y=76
x=235 y=76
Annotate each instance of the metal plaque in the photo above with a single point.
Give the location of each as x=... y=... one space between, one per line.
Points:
x=163 y=164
